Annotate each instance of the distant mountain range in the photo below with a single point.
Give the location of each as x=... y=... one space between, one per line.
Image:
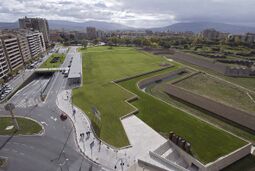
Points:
x=178 y=27
x=68 y=25
x=8 y=25
x=200 y=26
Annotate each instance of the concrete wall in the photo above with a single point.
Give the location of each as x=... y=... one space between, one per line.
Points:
x=139 y=75
x=243 y=118
x=144 y=83
x=219 y=163
x=229 y=159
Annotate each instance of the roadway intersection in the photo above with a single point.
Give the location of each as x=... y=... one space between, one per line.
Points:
x=43 y=153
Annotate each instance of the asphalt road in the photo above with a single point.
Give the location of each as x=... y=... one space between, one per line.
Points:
x=30 y=95
x=43 y=153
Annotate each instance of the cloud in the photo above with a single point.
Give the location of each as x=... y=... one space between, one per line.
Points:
x=135 y=13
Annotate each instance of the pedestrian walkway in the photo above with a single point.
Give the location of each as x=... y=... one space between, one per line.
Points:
x=142 y=138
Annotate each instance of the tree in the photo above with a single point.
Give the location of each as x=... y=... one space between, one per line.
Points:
x=96 y=41
x=146 y=42
x=84 y=44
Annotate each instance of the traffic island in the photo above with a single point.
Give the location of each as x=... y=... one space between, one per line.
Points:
x=3 y=161
x=27 y=126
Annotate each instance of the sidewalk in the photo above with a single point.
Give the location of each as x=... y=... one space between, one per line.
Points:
x=90 y=145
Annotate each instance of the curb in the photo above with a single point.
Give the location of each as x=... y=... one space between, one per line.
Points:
x=41 y=133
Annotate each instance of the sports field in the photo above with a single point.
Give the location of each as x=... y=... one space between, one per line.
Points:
x=221 y=91
x=102 y=65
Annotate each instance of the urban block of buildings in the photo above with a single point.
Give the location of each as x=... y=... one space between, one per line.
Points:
x=17 y=48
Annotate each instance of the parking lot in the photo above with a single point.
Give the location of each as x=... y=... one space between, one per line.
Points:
x=5 y=90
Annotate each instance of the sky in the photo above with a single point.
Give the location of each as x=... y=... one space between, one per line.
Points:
x=134 y=13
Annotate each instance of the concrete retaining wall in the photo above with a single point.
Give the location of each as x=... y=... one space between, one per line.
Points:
x=229 y=159
x=243 y=118
x=217 y=164
x=144 y=83
x=167 y=162
x=139 y=75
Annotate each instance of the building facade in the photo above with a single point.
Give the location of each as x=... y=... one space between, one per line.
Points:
x=91 y=33
x=12 y=51
x=210 y=34
x=24 y=47
x=36 y=43
x=4 y=68
x=36 y=24
x=17 y=48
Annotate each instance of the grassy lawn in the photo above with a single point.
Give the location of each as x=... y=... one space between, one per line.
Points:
x=158 y=91
x=208 y=86
x=248 y=83
x=1 y=162
x=208 y=142
x=27 y=126
x=245 y=164
x=48 y=64
x=101 y=65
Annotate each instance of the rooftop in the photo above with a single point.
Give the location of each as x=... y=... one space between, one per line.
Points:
x=76 y=67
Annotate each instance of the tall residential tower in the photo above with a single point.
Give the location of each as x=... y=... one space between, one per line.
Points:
x=36 y=24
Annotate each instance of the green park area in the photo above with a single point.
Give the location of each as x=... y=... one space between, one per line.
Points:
x=221 y=91
x=54 y=61
x=102 y=65
x=27 y=126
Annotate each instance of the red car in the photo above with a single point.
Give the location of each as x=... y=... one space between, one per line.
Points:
x=63 y=116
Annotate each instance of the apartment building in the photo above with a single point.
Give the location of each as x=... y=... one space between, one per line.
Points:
x=12 y=51
x=24 y=47
x=4 y=68
x=36 y=43
x=36 y=24
x=91 y=33
x=17 y=47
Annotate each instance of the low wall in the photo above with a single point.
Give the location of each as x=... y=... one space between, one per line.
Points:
x=229 y=159
x=218 y=164
x=141 y=162
x=167 y=162
x=144 y=83
x=240 y=117
x=139 y=75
